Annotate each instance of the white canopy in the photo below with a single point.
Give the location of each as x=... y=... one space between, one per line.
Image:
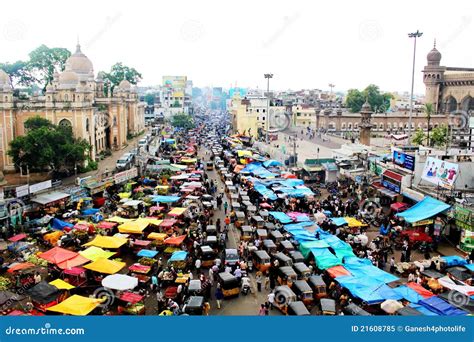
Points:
x=120 y=282
x=450 y=284
x=132 y=203
x=391 y=306
x=182 y=176
x=49 y=197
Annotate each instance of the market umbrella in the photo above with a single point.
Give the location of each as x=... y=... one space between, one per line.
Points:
x=120 y=282
x=391 y=306
x=57 y=255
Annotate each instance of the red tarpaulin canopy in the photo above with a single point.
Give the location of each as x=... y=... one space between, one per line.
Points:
x=139 y=268
x=21 y=266
x=131 y=297
x=337 y=271
x=289 y=176
x=168 y=223
x=399 y=206
x=78 y=260
x=141 y=243
x=75 y=271
x=106 y=225
x=175 y=241
x=420 y=290
x=17 y=237
x=265 y=205
x=57 y=255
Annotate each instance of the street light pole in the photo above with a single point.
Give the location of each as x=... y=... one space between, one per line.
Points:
x=415 y=35
x=267 y=117
x=330 y=95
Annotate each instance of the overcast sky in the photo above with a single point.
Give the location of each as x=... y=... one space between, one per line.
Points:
x=305 y=44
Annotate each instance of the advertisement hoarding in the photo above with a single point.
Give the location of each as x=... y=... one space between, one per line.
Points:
x=440 y=172
x=404 y=160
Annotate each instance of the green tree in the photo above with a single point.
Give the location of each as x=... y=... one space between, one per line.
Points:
x=48 y=147
x=429 y=110
x=354 y=100
x=19 y=73
x=45 y=61
x=150 y=98
x=119 y=72
x=418 y=137
x=377 y=100
x=439 y=136
x=182 y=121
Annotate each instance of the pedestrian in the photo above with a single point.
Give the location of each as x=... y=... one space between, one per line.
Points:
x=392 y=265
x=261 y=311
x=154 y=282
x=206 y=308
x=271 y=299
x=197 y=264
x=258 y=279
x=219 y=295
x=267 y=281
x=226 y=205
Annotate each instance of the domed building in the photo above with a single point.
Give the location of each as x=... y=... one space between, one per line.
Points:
x=449 y=89
x=74 y=98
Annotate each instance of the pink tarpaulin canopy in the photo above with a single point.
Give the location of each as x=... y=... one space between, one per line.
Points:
x=175 y=241
x=131 y=297
x=139 y=268
x=75 y=271
x=296 y=216
x=57 y=255
x=141 y=243
x=107 y=225
x=168 y=223
x=265 y=205
x=17 y=237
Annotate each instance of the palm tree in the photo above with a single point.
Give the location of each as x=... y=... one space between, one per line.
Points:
x=429 y=110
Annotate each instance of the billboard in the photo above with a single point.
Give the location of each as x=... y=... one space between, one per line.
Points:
x=440 y=172
x=404 y=160
x=175 y=81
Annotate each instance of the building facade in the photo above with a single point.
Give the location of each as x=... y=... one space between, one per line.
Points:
x=74 y=98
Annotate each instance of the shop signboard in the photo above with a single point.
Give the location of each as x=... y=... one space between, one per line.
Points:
x=22 y=191
x=463 y=217
x=440 y=172
x=404 y=160
x=40 y=186
x=125 y=175
x=422 y=223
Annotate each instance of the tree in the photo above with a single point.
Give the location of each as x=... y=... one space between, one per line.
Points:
x=150 y=98
x=428 y=109
x=182 y=121
x=48 y=147
x=354 y=100
x=439 y=136
x=379 y=102
x=119 y=72
x=418 y=137
x=19 y=73
x=45 y=61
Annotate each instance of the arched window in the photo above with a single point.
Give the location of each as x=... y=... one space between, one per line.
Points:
x=349 y=126
x=381 y=127
x=343 y=126
x=450 y=104
x=356 y=125
x=87 y=124
x=65 y=123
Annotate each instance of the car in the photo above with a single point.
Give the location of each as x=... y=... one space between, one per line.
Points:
x=134 y=151
x=142 y=142
x=125 y=161
x=231 y=257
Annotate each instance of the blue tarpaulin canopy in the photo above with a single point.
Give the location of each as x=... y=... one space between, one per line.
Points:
x=408 y=293
x=454 y=260
x=90 y=211
x=264 y=191
x=423 y=310
x=60 y=225
x=165 y=199
x=289 y=227
x=441 y=307
x=369 y=289
x=363 y=268
x=339 y=221
x=280 y=217
x=324 y=258
x=424 y=209
x=178 y=256
x=147 y=253
x=272 y=162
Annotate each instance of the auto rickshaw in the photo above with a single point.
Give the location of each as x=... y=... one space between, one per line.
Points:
x=211 y=241
x=297 y=256
x=209 y=166
x=286 y=275
x=270 y=226
x=246 y=204
x=302 y=270
x=208 y=255
x=246 y=233
x=236 y=206
x=245 y=198
x=195 y=287
x=303 y=292
x=286 y=246
x=261 y=260
x=276 y=236
x=211 y=230
x=297 y=309
x=258 y=221
x=283 y=297
x=283 y=259
x=194 y=306
x=354 y=310
x=230 y=284
x=264 y=214
x=318 y=285
x=239 y=218
x=251 y=210
x=262 y=234
x=269 y=246
x=328 y=306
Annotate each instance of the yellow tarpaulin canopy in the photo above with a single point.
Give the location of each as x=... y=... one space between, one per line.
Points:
x=189 y=160
x=61 y=284
x=157 y=236
x=149 y=220
x=133 y=227
x=105 y=266
x=107 y=242
x=177 y=211
x=76 y=305
x=244 y=153
x=162 y=187
x=353 y=223
x=118 y=219
x=125 y=194
x=93 y=253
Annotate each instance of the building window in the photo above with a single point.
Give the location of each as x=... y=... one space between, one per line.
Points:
x=87 y=124
x=381 y=127
x=65 y=123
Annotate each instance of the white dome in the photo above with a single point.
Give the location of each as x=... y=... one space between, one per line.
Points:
x=68 y=79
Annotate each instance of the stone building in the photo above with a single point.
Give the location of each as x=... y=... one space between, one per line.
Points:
x=74 y=98
x=449 y=89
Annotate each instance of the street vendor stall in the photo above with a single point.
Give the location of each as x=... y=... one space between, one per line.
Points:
x=76 y=305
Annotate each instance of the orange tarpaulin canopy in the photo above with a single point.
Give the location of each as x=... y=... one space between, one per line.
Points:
x=338 y=271
x=78 y=260
x=175 y=241
x=239 y=168
x=420 y=290
x=21 y=266
x=57 y=255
